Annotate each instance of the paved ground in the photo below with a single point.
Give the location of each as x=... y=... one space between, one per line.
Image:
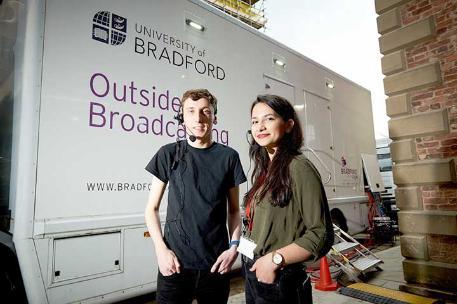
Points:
x=390 y=277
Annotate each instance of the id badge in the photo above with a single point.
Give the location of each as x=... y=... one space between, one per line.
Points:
x=246 y=247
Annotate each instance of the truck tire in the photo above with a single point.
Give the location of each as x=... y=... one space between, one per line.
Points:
x=339 y=219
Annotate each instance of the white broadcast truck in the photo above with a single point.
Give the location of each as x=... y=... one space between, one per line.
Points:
x=88 y=91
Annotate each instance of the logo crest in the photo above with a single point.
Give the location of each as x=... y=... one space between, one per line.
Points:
x=109 y=28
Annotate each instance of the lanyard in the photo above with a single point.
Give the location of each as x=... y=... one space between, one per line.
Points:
x=249 y=212
x=251 y=202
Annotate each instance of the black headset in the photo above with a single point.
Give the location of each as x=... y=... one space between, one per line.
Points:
x=179 y=117
x=249 y=137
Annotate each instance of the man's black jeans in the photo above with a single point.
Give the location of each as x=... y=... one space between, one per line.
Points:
x=182 y=288
x=292 y=286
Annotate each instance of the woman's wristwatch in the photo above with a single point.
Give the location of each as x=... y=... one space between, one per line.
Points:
x=277 y=259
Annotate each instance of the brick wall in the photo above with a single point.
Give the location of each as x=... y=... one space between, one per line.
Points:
x=419 y=43
x=439 y=197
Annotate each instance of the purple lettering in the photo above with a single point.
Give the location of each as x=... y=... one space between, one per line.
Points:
x=157 y=122
x=132 y=89
x=145 y=124
x=145 y=98
x=132 y=122
x=181 y=133
x=176 y=104
x=92 y=113
x=167 y=99
x=215 y=134
x=111 y=118
x=106 y=83
x=153 y=97
x=167 y=130
x=115 y=93
x=224 y=137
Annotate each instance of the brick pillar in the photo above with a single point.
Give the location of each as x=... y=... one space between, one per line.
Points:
x=419 y=43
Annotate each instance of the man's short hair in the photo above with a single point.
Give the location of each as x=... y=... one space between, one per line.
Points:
x=198 y=94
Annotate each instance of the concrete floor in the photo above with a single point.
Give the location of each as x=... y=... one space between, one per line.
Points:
x=319 y=297
x=391 y=277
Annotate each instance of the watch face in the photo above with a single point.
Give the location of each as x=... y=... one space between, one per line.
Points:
x=277 y=259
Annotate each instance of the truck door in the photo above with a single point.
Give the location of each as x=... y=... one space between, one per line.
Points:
x=317 y=117
x=278 y=87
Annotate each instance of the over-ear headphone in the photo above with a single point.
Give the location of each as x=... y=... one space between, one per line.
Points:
x=179 y=117
x=249 y=137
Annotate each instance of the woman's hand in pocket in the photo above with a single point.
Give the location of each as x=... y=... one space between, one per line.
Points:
x=265 y=269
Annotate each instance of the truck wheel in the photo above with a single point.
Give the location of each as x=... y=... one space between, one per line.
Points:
x=339 y=219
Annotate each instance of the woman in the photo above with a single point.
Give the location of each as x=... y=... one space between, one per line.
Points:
x=286 y=208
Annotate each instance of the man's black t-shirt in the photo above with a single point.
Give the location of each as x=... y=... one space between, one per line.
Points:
x=196 y=226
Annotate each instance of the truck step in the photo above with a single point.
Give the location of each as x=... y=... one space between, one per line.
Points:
x=343 y=246
x=365 y=263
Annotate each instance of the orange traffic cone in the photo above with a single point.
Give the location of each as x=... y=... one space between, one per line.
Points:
x=325 y=281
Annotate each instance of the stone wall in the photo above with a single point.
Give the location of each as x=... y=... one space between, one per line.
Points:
x=419 y=43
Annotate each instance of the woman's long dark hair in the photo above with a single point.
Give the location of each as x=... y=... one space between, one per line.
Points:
x=274 y=178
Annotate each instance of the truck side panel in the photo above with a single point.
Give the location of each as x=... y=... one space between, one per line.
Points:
x=112 y=76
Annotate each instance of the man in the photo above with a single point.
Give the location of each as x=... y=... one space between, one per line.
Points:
x=194 y=252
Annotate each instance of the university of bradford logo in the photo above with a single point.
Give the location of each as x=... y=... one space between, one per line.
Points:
x=109 y=28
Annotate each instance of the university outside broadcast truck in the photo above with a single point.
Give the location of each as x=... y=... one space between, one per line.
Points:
x=88 y=92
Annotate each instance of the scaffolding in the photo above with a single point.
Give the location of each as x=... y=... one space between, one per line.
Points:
x=250 y=12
